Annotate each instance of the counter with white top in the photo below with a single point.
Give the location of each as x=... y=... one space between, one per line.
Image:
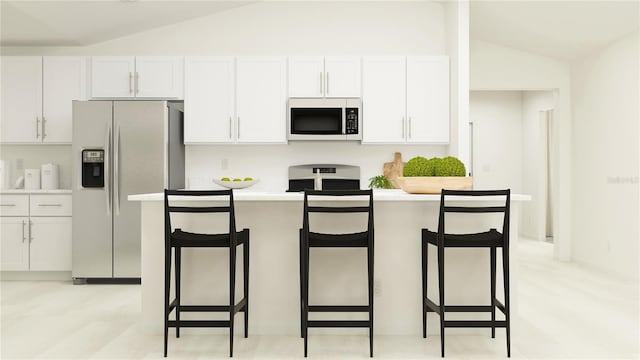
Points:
x=337 y=275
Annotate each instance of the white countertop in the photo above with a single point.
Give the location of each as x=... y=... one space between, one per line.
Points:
x=23 y=191
x=378 y=194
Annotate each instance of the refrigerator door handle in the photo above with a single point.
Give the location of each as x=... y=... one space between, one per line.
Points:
x=107 y=183
x=116 y=170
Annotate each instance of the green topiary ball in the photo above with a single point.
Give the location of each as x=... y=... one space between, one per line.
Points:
x=449 y=166
x=418 y=166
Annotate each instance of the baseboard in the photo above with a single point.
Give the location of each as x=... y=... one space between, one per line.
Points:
x=35 y=275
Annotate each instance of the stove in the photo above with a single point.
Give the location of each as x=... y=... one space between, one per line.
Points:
x=334 y=177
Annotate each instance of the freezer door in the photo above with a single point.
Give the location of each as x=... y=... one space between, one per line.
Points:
x=92 y=207
x=139 y=167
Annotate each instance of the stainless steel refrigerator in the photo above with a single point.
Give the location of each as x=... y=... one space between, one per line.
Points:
x=119 y=148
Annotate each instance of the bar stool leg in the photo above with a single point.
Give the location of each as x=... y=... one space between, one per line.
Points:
x=493 y=291
x=301 y=286
x=246 y=286
x=507 y=305
x=178 y=276
x=167 y=284
x=425 y=254
x=441 y=294
x=305 y=302
x=370 y=273
x=232 y=295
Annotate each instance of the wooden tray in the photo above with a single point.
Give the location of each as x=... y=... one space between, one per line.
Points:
x=434 y=184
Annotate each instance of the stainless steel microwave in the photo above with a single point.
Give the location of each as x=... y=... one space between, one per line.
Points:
x=324 y=119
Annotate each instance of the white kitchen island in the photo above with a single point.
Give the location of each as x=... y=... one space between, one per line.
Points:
x=337 y=276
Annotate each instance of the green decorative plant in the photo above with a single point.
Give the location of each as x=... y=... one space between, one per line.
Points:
x=379 y=182
x=448 y=166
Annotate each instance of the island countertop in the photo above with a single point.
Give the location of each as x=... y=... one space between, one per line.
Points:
x=378 y=195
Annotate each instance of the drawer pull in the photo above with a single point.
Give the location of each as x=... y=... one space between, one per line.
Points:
x=49 y=204
x=7 y=204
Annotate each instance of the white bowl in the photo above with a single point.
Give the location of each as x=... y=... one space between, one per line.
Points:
x=235 y=184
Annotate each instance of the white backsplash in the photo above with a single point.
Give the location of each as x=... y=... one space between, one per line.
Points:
x=22 y=157
x=270 y=163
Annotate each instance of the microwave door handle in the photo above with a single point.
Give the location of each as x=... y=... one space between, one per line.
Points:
x=320 y=83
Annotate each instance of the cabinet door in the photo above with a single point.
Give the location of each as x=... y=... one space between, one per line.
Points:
x=342 y=76
x=261 y=99
x=50 y=244
x=14 y=243
x=64 y=80
x=209 y=100
x=383 y=100
x=159 y=76
x=21 y=117
x=306 y=76
x=112 y=76
x=428 y=99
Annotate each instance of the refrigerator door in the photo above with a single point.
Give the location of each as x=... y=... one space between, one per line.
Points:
x=139 y=158
x=92 y=207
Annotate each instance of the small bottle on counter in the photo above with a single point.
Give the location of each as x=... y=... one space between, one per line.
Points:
x=317 y=184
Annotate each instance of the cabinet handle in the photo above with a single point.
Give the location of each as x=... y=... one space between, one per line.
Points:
x=327 y=83
x=230 y=125
x=130 y=81
x=403 y=127
x=37 y=127
x=238 y=127
x=49 y=204
x=44 y=133
x=409 y=127
x=7 y=204
x=137 y=82
x=30 y=232
x=24 y=237
x=320 y=82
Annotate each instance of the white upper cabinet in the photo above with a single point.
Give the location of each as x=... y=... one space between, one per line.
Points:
x=64 y=80
x=21 y=120
x=383 y=99
x=306 y=76
x=342 y=76
x=142 y=76
x=159 y=76
x=37 y=93
x=428 y=99
x=261 y=95
x=112 y=76
x=331 y=76
x=209 y=100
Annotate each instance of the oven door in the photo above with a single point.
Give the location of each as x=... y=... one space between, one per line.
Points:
x=316 y=119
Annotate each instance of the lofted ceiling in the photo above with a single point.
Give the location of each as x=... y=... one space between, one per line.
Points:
x=81 y=23
x=565 y=30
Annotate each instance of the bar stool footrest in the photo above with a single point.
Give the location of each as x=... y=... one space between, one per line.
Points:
x=338 y=323
x=474 y=323
x=199 y=323
x=338 y=308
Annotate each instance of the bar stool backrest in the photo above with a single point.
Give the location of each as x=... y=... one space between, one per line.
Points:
x=447 y=195
x=216 y=195
x=357 y=195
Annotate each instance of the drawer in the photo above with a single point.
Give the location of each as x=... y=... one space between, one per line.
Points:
x=50 y=205
x=14 y=205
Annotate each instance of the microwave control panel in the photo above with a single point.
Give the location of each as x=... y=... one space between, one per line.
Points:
x=351 y=126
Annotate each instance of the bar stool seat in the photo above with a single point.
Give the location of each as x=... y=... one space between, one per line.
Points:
x=188 y=239
x=359 y=239
x=482 y=239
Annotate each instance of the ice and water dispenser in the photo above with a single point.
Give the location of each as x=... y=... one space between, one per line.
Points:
x=93 y=168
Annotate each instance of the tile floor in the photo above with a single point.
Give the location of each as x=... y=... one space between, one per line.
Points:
x=566 y=312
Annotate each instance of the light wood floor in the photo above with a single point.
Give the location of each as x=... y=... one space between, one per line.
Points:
x=566 y=312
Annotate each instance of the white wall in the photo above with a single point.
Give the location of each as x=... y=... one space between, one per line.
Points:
x=495 y=67
x=534 y=162
x=32 y=156
x=270 y=163
x=605 y=158
x=497 y=139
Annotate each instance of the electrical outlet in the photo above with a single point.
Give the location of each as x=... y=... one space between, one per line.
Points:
x=19 y=164
x=377 y=288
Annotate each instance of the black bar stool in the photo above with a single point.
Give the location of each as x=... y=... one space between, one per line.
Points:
x=309 y=239
x=491 y=239
x=178 y=239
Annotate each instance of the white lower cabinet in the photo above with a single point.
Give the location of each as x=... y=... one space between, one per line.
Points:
x=40 y=240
